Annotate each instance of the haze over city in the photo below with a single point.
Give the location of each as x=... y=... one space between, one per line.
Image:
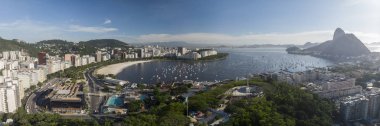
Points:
x=197 y=21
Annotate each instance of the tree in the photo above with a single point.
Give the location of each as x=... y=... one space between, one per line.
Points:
x=307 y=108
x=100 y=76
x=173 y=115
x=32 y=87
x=106 y=89
x=198 y=104
x=140 y=120
x=174 y=120
x=134 y=106
x=112 y=76
x=108 y=122
x=39 y=84
x=161 y=97
x=179 y=90
x=118 y=88
x=172 y=108
x=283 y=104
x=258 y=112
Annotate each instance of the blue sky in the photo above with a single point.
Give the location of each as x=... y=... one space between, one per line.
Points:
x=198 y=21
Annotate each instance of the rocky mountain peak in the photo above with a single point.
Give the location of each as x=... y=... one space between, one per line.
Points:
x=338 y=33
x=342 y=45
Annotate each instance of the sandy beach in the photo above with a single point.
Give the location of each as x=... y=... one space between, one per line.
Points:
x=117 y=68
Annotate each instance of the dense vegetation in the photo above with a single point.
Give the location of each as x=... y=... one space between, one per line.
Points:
x=162 y=111
x=362 y=81
x=256 y=112
x=101 y=43
x=344 y=68
x=211 y=98
x=61 y=47
x=282 y=105
x=12 y=45
x=172 y=114
x=91 y=46
x=57 y=47
x=21 y=118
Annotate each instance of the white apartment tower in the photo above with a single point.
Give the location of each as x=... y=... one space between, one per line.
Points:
x=8 y=99
x=11 y=99
x=3 y=100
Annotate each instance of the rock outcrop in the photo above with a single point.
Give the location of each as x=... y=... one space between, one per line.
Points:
x=342 y=45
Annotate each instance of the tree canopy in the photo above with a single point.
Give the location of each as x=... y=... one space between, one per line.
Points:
x=283 y=104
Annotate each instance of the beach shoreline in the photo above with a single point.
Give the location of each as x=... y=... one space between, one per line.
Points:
x=117 y=68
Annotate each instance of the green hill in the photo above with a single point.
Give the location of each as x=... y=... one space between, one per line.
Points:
x=11 y=45
x=101 y=43
x=61 y=47
x=91 y=46
x=56 y=47
x=55 y=41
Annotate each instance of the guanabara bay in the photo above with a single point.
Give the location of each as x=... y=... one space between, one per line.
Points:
x=190 y=63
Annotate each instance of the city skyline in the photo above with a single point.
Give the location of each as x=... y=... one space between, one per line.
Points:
x=221 y=22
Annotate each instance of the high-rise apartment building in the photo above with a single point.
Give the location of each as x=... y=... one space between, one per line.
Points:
x=42 y=58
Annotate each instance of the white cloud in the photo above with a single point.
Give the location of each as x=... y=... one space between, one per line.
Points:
x=79 y=28
x=107 y=21
x=29 y=30
x=33 y=31
x=26 y=25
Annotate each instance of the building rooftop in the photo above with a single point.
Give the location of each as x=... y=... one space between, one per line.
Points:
x=65 y=92
x=351 y=99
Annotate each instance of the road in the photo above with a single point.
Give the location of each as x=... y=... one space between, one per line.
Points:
x=95 y=101
x=225 y=117
x=30 y=105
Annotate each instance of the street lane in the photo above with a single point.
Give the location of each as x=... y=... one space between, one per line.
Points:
x=30 y=105
x=95 y=101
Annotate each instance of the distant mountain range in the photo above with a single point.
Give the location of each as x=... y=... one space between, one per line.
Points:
x=198 y=45
x=309 y=45
x=265 y=46
x=60 y=47
x=306 y=45
x=177 y=44
x=342 y=45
